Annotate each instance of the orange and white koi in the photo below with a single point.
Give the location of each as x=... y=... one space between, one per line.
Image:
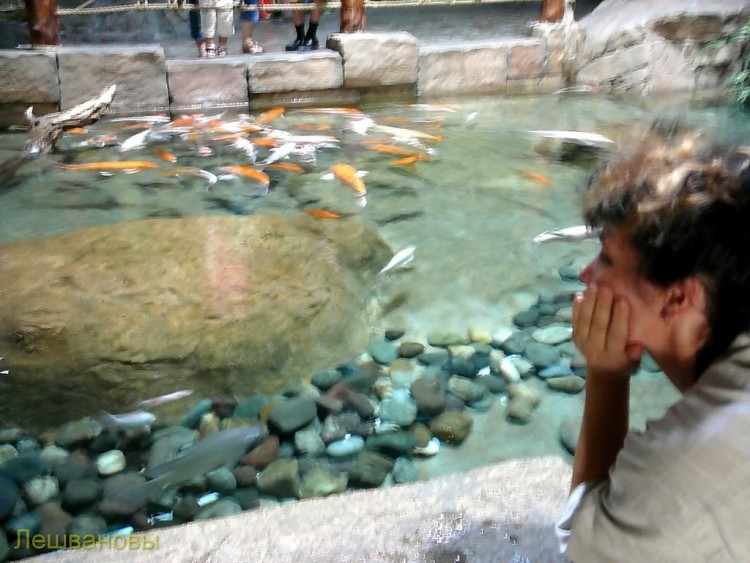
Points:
x=535 y=177
x=192 y=171
x=77 y=131
x=113 y=165
x=322 y=214
x=268 y=116
x=165 y=155
x=264 y=142
x=334 y=111
x=350 y=176
x=248 y=172
x=183 y=121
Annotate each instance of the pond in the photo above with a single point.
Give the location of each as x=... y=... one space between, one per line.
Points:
x=467 y=183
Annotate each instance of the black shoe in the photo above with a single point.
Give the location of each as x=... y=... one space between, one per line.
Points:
x=295 y=45
x=309 y=45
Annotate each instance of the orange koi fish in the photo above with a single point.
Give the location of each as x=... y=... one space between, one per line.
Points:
x=164 y=155
x=248 y=172
x=395 y=119
x=534 y=177
x=183 y=121
x=409 y=160
x=227 y=137
x=77 y=131
x=268 y=116
x=250 y=128
x=312 y=127
x=111 y=165
x=391 y=149
x=288 y=166
x=264 y=142
x=334 y=111
x=322 y=214
x=349 y=176
x=413 y=133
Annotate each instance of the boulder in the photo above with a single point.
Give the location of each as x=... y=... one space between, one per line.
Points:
x=649 y=46
x=102 y=317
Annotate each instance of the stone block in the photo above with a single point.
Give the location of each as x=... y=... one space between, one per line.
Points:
x=609 y=67
x=13 y=114
x=289 y=72
x=204 y=83
x=140 y=74
x=376 y=59
x=526 y=58
x=343 y=96
x=460 y=68
x=28 y=77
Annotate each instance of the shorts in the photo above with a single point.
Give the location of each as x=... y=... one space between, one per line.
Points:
x=249 y=15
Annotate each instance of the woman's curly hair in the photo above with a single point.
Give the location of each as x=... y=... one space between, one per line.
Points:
x=686 y=203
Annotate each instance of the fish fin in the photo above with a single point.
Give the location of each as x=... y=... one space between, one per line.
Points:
x=362 y=173
x=328 y=176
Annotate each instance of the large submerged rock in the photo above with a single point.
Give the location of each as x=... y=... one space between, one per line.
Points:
x=102 y=317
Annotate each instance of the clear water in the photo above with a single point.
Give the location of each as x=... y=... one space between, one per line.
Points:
x=470 y=211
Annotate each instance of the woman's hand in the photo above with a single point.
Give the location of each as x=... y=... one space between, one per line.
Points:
x=600 y=331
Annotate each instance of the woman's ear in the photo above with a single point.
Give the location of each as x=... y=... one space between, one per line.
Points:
x=684 y=296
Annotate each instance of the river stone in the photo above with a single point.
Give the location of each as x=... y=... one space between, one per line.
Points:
x=7 y=452
x=369 y=469
x=451 y=427
x=219 y=509
x=393 y=444
x=280 y=478
x=410 y=349
x=40 y=490
x=516 y=343
x=9 y=495
x=322 y=482
x=292 y=415
x=542 y=355
x=568 y=384
x=428 y=396
x=570 y=429
x=81 y=492
x=10 y=435
x=326 y=379
x=445 y=338
x=382 y=351
x=85 y=524
x=110 y=462
x=553 y=334
x=216 y=304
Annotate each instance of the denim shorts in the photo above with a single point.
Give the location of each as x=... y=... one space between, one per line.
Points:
x=249 y=16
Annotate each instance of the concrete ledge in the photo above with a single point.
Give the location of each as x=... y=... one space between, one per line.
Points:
x=376 y=59
x=477 y=67
x=216 y=83
x=503 y=512
x=139 y=72
x=288 y=72
x=28 y=77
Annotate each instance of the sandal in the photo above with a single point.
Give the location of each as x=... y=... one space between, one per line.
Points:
x=210 y=52
x=251 y=47
x=222 y=52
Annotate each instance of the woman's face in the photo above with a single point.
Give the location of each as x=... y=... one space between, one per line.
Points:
x=616 y=267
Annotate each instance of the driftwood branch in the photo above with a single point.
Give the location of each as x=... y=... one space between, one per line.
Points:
x=47 y=129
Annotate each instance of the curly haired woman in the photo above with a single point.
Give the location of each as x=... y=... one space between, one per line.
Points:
x=672 y=279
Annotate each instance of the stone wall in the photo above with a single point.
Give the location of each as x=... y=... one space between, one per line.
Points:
x=354 y=68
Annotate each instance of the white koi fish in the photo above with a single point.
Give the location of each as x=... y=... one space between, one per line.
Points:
x=129 y=420
x=280 y=152
x=579 y=232
x=402 y=258
x=137 y=141
x=162 y=399
x=591 y=139
x=247 y=147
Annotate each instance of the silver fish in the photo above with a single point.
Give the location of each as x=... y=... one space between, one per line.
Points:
x=217 y=450
x=590 y=139
x=168 y=398
x=281 y=152
x=137 y=141
x=579 y=232
x=129 y=420
x=400 y=259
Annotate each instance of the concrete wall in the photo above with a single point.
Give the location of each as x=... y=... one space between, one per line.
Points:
x=354 y=68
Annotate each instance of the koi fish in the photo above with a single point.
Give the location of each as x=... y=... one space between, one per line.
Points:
x=591 y=139
x=433 y=107
x=350 y=176
x=314 y=127
x=129 y=420
x=136 y=141
x=165 y=155
x=579 y=232
x=391 y=149
x=158 y=118
x=409 y=160
x=162 y=399
x=535 y=177
x=400 y=259
x=264 y=142
x=288 y=166
x=407 y=133
x=333 y=111
x=77 y=131
x=268 y=116
x=248 y=172
x=322 y=214
x=247 y=147
x=112 y=165
x=192 y=171
x=281 y=152
x=183 y=121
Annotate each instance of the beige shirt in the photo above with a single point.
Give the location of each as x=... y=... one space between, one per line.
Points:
x=680 y=490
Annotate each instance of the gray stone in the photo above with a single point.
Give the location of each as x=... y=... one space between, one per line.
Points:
x=467 y=390
x=79 y=493
x=466 y=67
x=382 y=351
x=40 y=490
x=346 y=446
x=326 y=379
x=451 y=427
x=393 y=444
x=219 y=509
x=77 y=433
x=207 y=83
x=138 y=71
x=29 y=77
x=280 y=478
x=428 y=396
x=110 y=462
x=9 y=495
x=404 y=471
x=410 y=349
x=401 y=411
x=86 y=524
x=542 y=355
x=369 y=469
x=553 y=334
x=289 y=72
x=376 y=59
x=322 y=482
x=10 y=435
x=222 y=481
x=568 y=384
x=309 y=442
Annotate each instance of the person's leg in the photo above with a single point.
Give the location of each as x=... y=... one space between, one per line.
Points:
x=224 y=28
x=247 y=18
x=311 y=37
x=298 y=19
x=194 y=17
x=208 y=21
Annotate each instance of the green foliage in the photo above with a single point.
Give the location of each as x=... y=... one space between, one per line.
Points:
x=740 y=82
